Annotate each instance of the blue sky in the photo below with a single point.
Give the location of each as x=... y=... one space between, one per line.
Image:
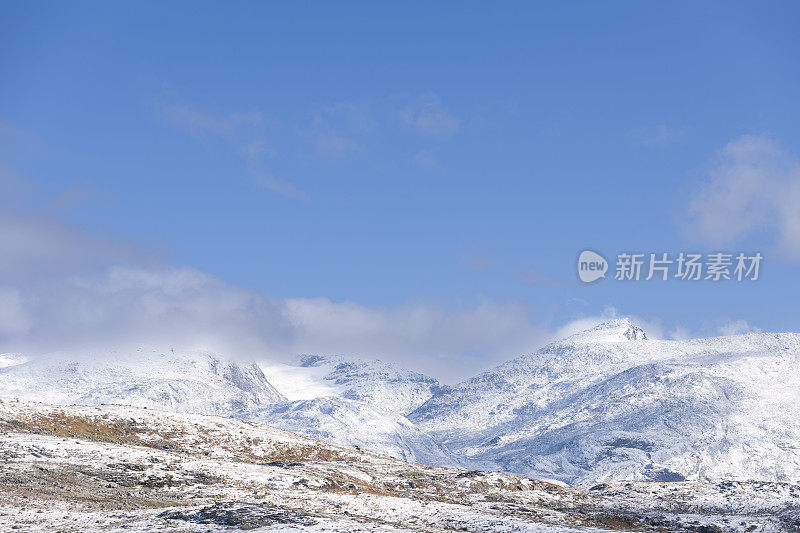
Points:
x=447 y=155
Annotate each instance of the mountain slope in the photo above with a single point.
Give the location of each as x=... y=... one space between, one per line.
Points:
x=207 y=384
x=193 y=382
x=355 y=423
x=385 y=387
x=610 y=404
x=358 y=402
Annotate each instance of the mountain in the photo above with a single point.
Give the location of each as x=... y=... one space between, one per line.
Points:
x=10 y=359
x=193 y=382
x=357 y=402
x=119 y=468
x=385 y=387
x=365 y=410
x=356 y=423
x=606 y=404
x=610 y=404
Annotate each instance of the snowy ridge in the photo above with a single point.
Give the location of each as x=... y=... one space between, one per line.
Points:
x=194 y=382
x=385 y=387
x=360 y=403
x=607 y=404
x=363 y=413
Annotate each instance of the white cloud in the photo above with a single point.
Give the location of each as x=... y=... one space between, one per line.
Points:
x=14 y=319
x=755 y=187
x=67 y=289
x=429 y=118
x=680 y=333
x=125 y=308
x=736 y=327
x=245 y=133
x=257 y=148
x=428 y=337
x=331 y=144
x=34 y=244
x=107 y=306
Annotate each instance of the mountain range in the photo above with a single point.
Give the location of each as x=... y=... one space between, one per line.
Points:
x=606 y=404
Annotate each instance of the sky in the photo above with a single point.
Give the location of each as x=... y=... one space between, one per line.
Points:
x=412 y=181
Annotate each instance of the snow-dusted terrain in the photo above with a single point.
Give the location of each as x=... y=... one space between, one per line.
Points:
x=360 y=403
x=363 y=405
x=355 y=423
x=115 y=468
x=194 y=382
x=384 y=386
x=609 y=404
x=10 y=359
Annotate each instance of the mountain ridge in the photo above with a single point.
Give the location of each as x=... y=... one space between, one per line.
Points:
x=607 y=403
x=599 y=405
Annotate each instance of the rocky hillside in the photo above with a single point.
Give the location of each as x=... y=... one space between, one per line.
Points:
x=114 y=468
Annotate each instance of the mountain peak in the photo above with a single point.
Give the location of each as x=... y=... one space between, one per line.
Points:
x=616 y=330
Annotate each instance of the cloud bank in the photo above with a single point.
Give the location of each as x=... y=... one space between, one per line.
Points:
x=128 y=307
x=754 y=187
x=64 y=289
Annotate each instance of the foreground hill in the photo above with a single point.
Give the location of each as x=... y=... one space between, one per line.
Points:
x=116 y=468
x=610 y=404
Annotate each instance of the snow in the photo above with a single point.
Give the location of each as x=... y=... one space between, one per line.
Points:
x=359 y=403
x=609 y=404
x=195 y=382
x=301 y=382
x=10 y=359
x=384 y=386
x=355 y=423
x=117 y=468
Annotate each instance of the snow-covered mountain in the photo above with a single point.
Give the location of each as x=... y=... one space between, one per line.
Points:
x=609 y=403
x=359 y=403
x=10 y=359
x=193 y=382
x=604 y=404
x=362 y=402
x=356 y=423
x=385 y=387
